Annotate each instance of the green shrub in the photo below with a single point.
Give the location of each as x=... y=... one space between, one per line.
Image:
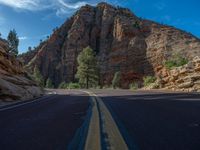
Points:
x=49 y=83
x=176 y=61
x=149 y=80
x=136 y=24
x=63 y=85
x=74 y=85
x=116 y=80
x=133 y=86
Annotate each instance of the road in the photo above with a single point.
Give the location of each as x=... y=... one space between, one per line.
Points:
x=109 y=119
x=46 y=124
x=156 y=121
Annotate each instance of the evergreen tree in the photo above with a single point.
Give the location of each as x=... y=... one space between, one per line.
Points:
x=29 y=48
x=87 y=69
x=49 y=83
x=13 y=42
x=38 y=77
x=116 y=80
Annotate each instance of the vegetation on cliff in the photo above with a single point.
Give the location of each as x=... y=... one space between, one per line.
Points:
x=13 y=42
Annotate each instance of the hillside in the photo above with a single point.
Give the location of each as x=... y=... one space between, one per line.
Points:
x=14 y=81
x=122 y=41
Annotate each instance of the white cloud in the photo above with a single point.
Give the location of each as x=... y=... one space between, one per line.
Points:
x=64 y=8
x=24 y=4
x=72 y=6
x=23 y=38
x=59 y=6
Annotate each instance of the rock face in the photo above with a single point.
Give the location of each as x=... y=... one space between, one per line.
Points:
x=122 y=41
x=184 y=78
x=14 y=82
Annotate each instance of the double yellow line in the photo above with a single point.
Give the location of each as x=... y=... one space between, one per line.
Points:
x=102 y=122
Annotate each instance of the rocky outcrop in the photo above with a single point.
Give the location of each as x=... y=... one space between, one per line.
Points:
x=122 y=41
x=14 y=82
x=184 y=78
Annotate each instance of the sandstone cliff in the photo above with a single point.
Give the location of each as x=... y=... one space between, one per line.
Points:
x=123 y=42
x=14 y=82
x=184 y=78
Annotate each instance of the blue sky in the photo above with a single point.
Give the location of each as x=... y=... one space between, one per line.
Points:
x=35 y=19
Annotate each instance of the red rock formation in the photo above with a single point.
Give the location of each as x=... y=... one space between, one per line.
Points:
x=14 y=82
x=123 y=42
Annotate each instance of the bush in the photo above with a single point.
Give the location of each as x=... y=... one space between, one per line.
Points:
x=63 y=85
x=133 y=86
x=71 y=85
x=176 y=61
x=149 y=80
x=136 y=24
x=74 y=86
x=49 y=83
x=116 y=80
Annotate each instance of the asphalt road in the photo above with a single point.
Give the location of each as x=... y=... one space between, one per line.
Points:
x=145 y=120
x=45 y=124
x=156 y=121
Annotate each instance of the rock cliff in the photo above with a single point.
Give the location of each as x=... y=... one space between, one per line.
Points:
x=184 y=78
x=14 y=82
x=122 y=41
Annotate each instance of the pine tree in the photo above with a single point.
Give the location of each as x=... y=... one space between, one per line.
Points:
x=116 y=80
x=29 y=48
x=38 y=77
x=49 y=83
x=87 y=69
x=13 y=42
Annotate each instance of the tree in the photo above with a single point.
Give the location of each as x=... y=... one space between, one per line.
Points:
x=49 y=83
x=116 y=80
x=63 y=85
x=13 y=42
x=87 y=68
x=38 y=77
x=29 y=48
x=0 y=34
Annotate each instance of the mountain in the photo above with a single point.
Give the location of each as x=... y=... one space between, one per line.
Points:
x=122 y=41
x=14 y=81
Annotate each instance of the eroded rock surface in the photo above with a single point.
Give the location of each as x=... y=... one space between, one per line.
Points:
x=14 y=82
x=184 y=78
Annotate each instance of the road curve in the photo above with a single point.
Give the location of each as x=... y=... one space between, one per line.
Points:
x=107 y=119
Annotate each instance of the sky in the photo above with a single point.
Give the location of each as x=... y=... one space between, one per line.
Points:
x=35 y=19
